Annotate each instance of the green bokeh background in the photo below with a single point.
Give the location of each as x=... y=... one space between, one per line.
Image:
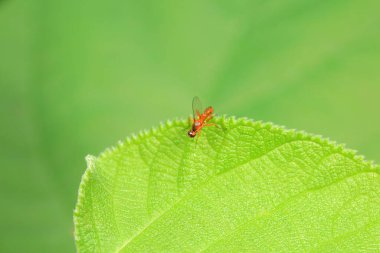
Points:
x=77 y=76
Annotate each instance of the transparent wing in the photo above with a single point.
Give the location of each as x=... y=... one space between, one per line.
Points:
x=197 y=107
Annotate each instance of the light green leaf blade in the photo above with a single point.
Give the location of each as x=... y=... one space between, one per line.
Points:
x=245 y=186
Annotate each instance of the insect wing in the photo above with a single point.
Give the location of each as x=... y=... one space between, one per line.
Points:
x=197 y=107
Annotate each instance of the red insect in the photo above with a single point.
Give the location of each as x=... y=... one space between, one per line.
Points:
x=200 y=120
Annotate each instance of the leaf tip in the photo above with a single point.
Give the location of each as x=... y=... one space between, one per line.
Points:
x=90 y=160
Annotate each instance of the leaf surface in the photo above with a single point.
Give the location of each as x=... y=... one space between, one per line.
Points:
x=245 y=186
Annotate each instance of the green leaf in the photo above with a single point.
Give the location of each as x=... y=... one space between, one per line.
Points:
x=245 y=186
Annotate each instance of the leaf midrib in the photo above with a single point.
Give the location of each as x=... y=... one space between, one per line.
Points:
x=127 y=242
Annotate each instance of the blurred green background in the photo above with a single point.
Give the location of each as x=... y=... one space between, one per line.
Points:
x=77 y=76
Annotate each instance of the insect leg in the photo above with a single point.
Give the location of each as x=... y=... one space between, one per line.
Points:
x=198 y=134
x=211 y=124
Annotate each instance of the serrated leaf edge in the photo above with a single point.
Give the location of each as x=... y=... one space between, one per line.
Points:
x=224 y=119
